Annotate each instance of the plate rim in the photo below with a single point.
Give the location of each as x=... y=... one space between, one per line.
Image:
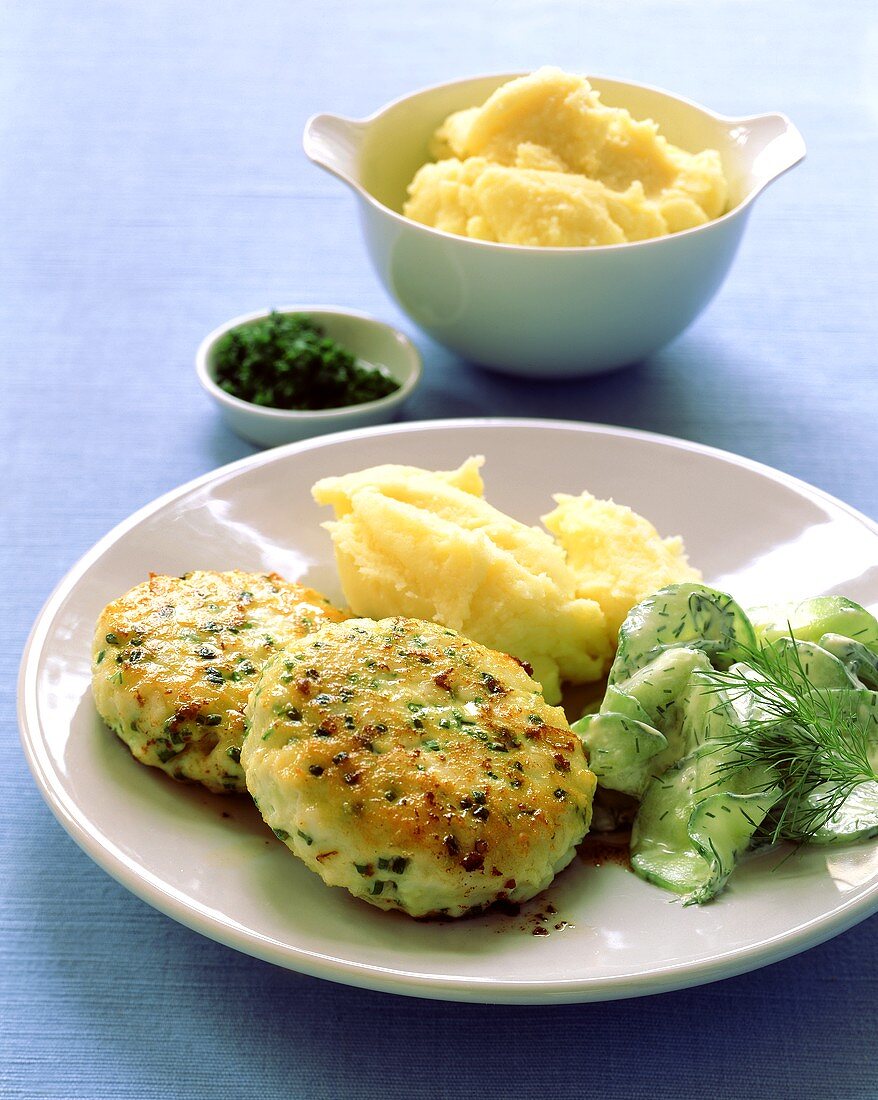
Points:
x=861 y=904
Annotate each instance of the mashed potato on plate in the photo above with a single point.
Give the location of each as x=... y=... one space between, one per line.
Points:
x=544 y=162
x=618 y=556
x=426 y=545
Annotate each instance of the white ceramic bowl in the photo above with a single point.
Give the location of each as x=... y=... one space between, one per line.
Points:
x=371 y=341
x=547 y=312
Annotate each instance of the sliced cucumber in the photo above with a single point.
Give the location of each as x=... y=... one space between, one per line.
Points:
x=664 y=726
x=863 y=703
x=858 y=659
x=867 y=712
x=658 y=685
x=745 y=704
x=721 y=828
x=700 y=714
x=856 y=818
x=619 y=750
x=811 y=619
x=619 y=701
x=661 y=848
x=639 y=731
x=693 y=825
x=680 y=702
x=820 y=668
x=708 y=712
x=690 y=615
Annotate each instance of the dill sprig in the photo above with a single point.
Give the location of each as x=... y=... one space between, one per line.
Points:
x=813 y=740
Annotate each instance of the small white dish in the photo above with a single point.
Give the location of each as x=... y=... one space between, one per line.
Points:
x=373 y=342
x=209 y=861
x=547 y=312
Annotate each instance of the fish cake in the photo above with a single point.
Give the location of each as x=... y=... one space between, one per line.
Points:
x=175 y=658
x=416 y=768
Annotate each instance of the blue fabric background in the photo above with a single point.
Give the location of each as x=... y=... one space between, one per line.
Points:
x=152 y=186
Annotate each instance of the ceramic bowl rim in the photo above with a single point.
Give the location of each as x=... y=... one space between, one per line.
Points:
x=303 y=416
x=723 y=219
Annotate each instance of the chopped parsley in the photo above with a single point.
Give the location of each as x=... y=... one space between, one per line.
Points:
x=286 y=361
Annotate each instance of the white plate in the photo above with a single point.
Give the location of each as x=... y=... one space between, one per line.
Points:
x=209 y=863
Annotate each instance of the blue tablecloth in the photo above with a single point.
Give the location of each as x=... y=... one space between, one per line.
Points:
x=152 y=186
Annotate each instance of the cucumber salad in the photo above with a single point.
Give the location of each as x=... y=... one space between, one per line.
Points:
x=726 y=730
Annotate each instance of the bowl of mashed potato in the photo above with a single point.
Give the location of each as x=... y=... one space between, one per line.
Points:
x=552 y=225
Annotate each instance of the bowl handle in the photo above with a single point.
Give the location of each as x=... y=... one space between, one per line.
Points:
x=334 y=143
x=776 y=142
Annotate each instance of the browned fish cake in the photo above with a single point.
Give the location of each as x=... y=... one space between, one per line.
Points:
x=175 y=658
x=418 y=769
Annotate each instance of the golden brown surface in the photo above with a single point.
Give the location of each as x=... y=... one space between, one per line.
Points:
x=175 y=658
x=400 y=744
